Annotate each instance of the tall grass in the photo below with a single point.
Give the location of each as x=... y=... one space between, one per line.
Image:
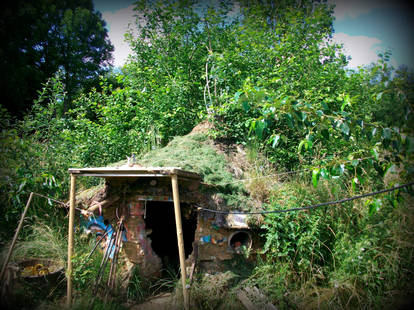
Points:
x=43 y=241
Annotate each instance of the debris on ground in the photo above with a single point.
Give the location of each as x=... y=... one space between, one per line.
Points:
x=160 y=302
x=36 y=270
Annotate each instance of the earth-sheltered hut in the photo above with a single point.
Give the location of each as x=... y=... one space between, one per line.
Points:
x=164 y=207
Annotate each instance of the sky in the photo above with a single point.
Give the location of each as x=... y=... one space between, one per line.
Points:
x=365 y=27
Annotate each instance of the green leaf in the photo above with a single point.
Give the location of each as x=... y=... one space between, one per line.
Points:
x=325 y=173
x=304 y=116
x=368 y=134
x=246 y=106
x=355 y=181
x=301 y=144
x=309 y=145
x=252 y=126
x=260 y=126
x=374 y=153
x=344 y=128
x=374 y=206
x=275 y=141
x=289 y=120
x=386 y=133
x=21 y=186
x=237 y=95
x=325 y=133
x=315 y=177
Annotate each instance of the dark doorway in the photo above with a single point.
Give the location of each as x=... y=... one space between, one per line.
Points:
x=160 y=219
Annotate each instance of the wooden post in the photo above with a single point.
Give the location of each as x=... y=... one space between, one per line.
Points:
x=19 y=227
x=72 y=199
x=177 y=212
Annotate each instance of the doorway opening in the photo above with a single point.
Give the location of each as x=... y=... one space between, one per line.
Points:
x=160 y=223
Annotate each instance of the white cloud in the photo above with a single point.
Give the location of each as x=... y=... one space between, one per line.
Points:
x=118 y=22
x=353 y=8
x=362 y=49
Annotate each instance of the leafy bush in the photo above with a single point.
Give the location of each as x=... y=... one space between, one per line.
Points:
x=345 y=255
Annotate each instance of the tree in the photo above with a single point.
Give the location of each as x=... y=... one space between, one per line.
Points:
x=265 y=72
x=38 y=38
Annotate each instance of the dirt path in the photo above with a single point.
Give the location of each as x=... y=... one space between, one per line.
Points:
x=161 y=302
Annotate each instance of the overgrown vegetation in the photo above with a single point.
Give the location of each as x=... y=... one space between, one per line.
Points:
x=268 y=77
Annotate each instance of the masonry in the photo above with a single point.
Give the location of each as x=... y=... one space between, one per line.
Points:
x=146 y=203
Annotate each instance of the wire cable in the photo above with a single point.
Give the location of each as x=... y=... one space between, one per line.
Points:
x=66 y=205
x=322 y=204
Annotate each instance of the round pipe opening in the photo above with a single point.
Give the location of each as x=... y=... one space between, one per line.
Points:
x=240 y=241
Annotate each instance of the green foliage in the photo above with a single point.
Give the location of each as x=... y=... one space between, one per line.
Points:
x=87 y=301
x=374 y=257
x=42 y=37
x=43 y=241
x=275 y=281
x=348 y=255
x=269 y=78
x=299 y=102
x=196 y=152
x=85 y=270
x=137 y=289
x=213 y=291
x=302 y=238
x=166 y=65
x=340 y=257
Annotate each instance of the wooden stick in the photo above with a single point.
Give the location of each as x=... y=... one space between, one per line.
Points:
x=97 y=243
x=177 y=212
x=72 y=199
x=195 y=251
x=112 y=275
x=104 y=261
x=102 y=204
x=115 y=259
x=111 y=267
x=19 y=227
x=119 y=248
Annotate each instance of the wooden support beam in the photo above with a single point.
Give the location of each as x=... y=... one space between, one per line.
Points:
x=180 y=240
x=72 y=199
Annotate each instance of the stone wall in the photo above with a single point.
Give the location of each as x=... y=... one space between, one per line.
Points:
x=213 y=235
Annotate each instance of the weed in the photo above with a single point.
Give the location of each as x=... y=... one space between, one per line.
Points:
x=212 y=291
x=43 y=241
x=261 y=178
x=342 y=257
x=167 y=283
x=87 y=301
x=138 y=287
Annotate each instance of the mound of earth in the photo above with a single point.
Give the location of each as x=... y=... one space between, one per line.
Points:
x=221 y=166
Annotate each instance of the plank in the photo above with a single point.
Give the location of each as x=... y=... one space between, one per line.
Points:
x=246 y=301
